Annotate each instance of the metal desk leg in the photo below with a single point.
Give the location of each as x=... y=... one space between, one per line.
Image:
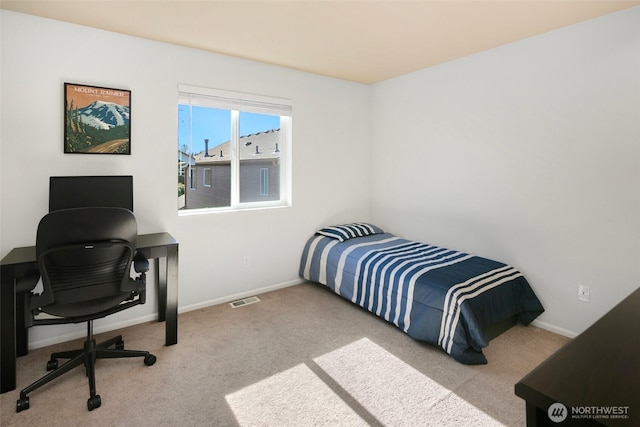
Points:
x=171 y=313
x=7 y=329
x=167 y=280
x=161 y=283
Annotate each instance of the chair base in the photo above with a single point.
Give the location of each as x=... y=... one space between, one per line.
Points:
x=87 y=357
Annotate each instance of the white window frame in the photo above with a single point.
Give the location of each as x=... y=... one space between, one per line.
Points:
x=245 y=102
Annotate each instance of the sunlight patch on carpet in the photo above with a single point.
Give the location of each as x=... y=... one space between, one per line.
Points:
x=395 y=393
x=295 y=397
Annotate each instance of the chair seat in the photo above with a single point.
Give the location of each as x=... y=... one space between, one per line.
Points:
x=86 y=308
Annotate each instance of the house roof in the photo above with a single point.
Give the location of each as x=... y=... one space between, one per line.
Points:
x=256 y=146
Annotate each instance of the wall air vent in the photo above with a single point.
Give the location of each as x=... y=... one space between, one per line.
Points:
x=244 y=301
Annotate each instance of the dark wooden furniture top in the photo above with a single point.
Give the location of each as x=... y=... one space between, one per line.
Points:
x=598 y=372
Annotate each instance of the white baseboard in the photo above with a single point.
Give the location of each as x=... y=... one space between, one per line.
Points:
x=151 y=317
x=238 y=296
x=81 y=333
x=555 y=329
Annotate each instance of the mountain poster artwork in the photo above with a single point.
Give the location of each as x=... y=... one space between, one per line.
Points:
x=97 y=120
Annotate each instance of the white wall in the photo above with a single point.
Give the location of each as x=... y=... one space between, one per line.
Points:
x=528 y=153
x=330 y=132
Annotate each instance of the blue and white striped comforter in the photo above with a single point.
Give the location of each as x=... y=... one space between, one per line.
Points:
x=434 y=294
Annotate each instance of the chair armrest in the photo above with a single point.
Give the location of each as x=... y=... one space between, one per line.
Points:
x=27 y=283
x=140 y=263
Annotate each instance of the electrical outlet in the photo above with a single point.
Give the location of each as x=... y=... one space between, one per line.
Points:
x=584 y=293
x=247 y=260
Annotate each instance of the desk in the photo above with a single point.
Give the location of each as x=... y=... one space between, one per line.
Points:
x=20 y=263
x=597 y=372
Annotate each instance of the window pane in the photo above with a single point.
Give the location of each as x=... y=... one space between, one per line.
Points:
x=209 y=149
x=260 y=151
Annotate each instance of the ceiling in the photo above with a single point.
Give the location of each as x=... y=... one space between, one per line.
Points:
x=364 y=41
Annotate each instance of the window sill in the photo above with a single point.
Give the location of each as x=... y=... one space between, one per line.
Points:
x=207 y=211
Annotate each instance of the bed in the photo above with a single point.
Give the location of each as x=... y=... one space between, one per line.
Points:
x=448 y=298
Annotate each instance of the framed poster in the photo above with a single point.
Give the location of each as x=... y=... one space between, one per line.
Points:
x=97 y=120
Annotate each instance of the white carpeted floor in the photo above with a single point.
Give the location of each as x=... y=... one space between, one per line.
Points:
x=301 y=357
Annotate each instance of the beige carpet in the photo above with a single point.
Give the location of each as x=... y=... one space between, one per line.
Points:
x=300 y=357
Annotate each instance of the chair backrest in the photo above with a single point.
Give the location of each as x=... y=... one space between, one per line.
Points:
x=84 y=257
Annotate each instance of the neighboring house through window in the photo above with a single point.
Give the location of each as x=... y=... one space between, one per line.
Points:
x=240 y=145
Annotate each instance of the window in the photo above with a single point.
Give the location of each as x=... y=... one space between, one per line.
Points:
x=264 y=181
x=206 y=177
x=239 y=143
x=192 y=179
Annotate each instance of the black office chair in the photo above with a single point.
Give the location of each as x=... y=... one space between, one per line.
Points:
x=84 y=257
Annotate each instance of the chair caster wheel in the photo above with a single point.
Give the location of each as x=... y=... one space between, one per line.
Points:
x=22 y=404
x=52 y=364
x=94 y=402
x=120 y=345
x=149 y=359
